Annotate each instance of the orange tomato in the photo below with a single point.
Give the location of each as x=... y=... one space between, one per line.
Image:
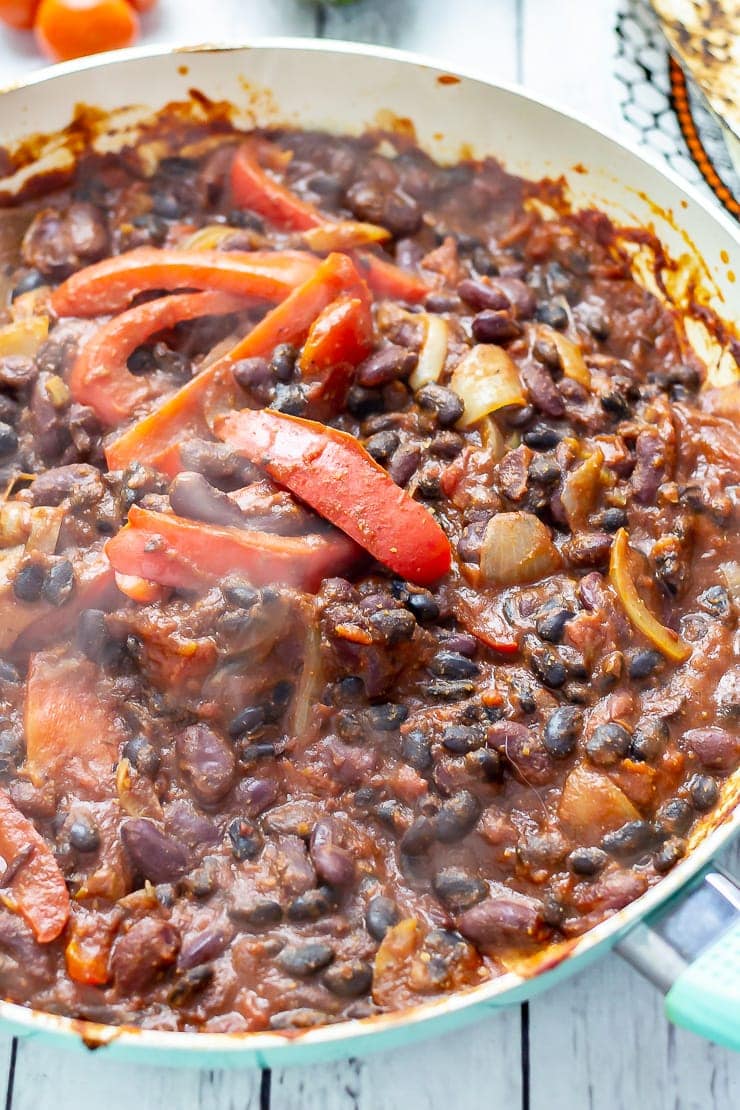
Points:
x=18 y=13
x=72 y=28
x=143 y=5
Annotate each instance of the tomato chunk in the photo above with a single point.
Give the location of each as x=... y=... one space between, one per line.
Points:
x=37 y=889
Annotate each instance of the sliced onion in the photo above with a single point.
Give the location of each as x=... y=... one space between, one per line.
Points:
x=620 y=573
x=486 y=380
x=208 y=238
x=141 y=590
x=591 y=804
x=517 y=548
x=24 y=337
x=571 y=357
x=580 y=489
x=492 y=438
x=433 y=352
x=343 y=235
x=309 y=684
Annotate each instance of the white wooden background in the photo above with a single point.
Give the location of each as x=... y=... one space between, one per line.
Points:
x=600 y=1042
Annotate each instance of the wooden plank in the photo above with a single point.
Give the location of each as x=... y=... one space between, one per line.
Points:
x=478 y=1066
x=602 y=1040
x=474 y=36
x=46 y=1078
x=567 y=54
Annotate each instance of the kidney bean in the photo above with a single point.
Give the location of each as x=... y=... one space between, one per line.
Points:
x=141 y=955
x=207 y=761
x=385 y=366
x=153 y=854
x=483 y=294
x=490 y=326
x=193 y=496
x=333 y=864
x=543 y=393
x=199 y=948
x=715 y=748
x=503 y=919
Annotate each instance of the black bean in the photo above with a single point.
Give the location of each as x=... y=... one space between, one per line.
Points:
x=142 y=755
x=29 y=582
x=381 y=915
x=247 y=722
x=416 y=750
x=404 y=463
x=59 y=583
x=587 y=861
x=303 y=1017
x=8 y=440
x=649 y=739
x=250 y=754
x=84 y=836
x=461 y=739
x=423 y=606
x=675 y=816
x=562 y=731
x=245 y=838
x=445 y=404
x=704 y=791
x=543 y=471
x=457 y=889
x=615 y=404
x=669 y=854
x=457 y=816
x=349 y=979
x=32 y=279
x=166 y=205
x=483 y=262
x=388 y=717
x=613 y=519
x=428 y=483
x=363 y=402
x=393 y=814
x=550 y=624
x=548 y=667
x=240 y=595
x=630 y=838
x=12 y=750
x=92 y=634
x=547 y=353
x=451 y=664
x=608 y=743
x=282 y=363
x=486 y=764
x=251 y=372
x=490 y=326
x=446 y=445
x=290 y=398
x=305 y=959
x=258 y=912
x=552 y=313
x=451 y=689
x=386 y=365
x=395 y=626
x=644 y=663
x=312 y=904
x=382 y=445
x=716 y=601
x=541 y=437
x=191 y=981
x=418 y=837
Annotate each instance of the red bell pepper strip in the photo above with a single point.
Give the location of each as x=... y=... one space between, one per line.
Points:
x=334 y=474
x=110 y=285
x=154 y=439
x=37 y=890
x=388 y=280
x=188 y=554
x=339 y=339
x=100 y=377
x=252 y=187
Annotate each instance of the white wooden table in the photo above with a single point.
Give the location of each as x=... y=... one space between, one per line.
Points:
x=600 y=1041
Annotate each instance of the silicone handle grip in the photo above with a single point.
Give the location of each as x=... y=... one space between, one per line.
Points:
x=705 y=997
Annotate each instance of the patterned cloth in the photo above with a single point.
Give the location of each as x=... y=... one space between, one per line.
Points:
x=665 y=110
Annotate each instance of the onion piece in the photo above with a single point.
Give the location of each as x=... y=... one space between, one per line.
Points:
x=571 y=357
x=208 y=238
x=141 y=590
x=591 y=805
x=492 y=438
x=731 y=575
x=343 y=235
x=663 y=638
x=580 y=489
x=309 y=685
x=517 y=548
x=433 y=352
x=486 y=380
x=24 y=337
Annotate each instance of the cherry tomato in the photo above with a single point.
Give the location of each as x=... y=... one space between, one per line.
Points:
x=18 y=13
x=72 y=28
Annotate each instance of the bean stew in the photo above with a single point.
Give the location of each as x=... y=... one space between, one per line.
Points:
x=369 y=576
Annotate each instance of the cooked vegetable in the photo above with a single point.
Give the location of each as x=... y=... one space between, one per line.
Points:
x=486 y=380
x=581 y=489
x=433 y=352
x=571 y=356
x=37 y=890
x=72 y=733
x=88 y=950
x=155 y=439
x=208 y=238
x=100 y=376
x=187 y=554
x=23 y=337
x=388 y=280
x=343 y=235
x=253 y=188
x=592 y=805
x=517 y=548
x=334 y=474
x=110 y=285
x=73 y=28
x=620 y=573
x=337 y=342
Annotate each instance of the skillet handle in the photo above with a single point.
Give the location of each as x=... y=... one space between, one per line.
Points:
x=691 y=951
